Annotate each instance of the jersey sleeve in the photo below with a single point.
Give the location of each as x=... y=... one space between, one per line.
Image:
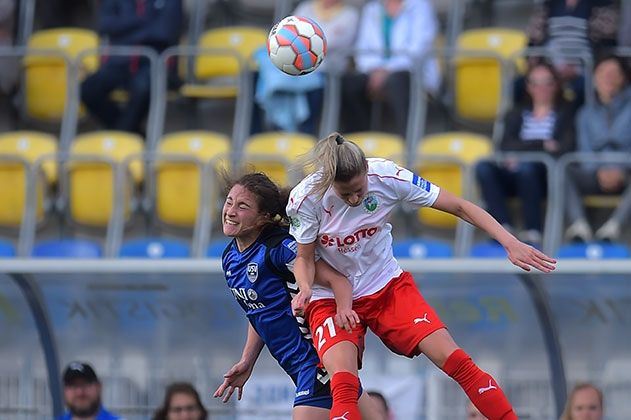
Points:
x=283 y=256
x=303 y=221
x=416 y=191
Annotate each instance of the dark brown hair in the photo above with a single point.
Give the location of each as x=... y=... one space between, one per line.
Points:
x=270 y=198
x=179 y=388
x=558 y=95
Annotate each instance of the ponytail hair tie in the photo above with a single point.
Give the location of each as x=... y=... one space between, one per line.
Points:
x=277 y=218
x=339 y=139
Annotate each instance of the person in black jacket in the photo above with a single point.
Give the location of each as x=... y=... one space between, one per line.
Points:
x=152 y=23
x=543 y=123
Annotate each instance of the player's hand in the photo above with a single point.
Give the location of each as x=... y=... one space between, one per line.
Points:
x=347 y=319
x=300 y=302
x=525 y=256
x=235 y=378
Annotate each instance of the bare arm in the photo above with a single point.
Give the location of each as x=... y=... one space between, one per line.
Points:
x=304 y=271
x=239 y=374
x=328 y=277
x=519 y=253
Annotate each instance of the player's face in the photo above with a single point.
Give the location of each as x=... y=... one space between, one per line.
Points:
x=240 y=215
x=183 y=407
x=586 y=405
x=353 y=191
x=83 y=398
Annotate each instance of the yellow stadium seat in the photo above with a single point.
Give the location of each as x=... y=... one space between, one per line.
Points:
x=45 y=75
x=478 y=80
x=178 y=183
x=466 y=147
x=382 y=145
x=223 y=68
x=30 y=146
x=273 y=153
x=91 y=182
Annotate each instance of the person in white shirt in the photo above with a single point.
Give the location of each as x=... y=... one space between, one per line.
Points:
x=393 y=36
x=341 y=211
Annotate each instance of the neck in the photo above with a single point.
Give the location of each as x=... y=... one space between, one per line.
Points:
x=541 y=108
x=93 y=417
x=244 y=242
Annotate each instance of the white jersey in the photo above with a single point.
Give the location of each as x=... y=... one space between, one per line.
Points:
x=356 y=241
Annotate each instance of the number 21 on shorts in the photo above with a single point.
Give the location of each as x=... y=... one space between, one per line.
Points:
x=329 y=326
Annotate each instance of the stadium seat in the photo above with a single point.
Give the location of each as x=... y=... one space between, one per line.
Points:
x=67 y=248
x=178 y=183
x=478 y=80
x=219 y=70
x=421 y=248
x=466 y=147
x=216 y=247
x=594 y=251
x=45 y=75
x=91 y=182
x=7 y=249
x=16 y=147
x=275 y=152
x=154 y=248
x=488 y=249
x=377 y=144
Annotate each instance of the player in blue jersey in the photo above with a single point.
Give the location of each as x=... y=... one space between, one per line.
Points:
x=258 y=265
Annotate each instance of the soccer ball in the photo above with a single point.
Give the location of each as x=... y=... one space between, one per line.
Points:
x=296 y=45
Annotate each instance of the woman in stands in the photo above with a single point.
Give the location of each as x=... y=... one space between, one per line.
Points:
x=258 y=267
x=342 y=210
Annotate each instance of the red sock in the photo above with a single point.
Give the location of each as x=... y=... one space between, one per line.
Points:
x=480 y=387
x=345 y=392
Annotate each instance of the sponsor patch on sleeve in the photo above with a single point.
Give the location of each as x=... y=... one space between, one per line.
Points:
x=421 y=182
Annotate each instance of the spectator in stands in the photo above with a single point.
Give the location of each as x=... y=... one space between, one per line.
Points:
x=149 y=23
x=382 y=411
x=571 y=27
x=82 y=394
x=181 y=402
x=64 y=13
x=542 y=123
x=392 y=35
x=295 y=104
x=585 y=402
x=604 y=126
x=10 y=66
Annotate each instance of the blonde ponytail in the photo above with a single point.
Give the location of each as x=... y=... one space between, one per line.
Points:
x=337 y=159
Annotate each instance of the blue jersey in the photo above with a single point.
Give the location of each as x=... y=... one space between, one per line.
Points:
x=262 y=282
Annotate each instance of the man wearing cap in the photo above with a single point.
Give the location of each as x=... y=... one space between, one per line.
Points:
x=82 y=394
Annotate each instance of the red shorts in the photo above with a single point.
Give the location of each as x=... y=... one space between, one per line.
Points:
x=397 y=314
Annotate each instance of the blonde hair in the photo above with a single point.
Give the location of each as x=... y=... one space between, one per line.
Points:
x=567 y=410
x=337 y=159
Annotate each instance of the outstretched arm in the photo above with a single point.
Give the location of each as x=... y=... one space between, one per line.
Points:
x=328 y=277
x=239 y=374
x=519 y=253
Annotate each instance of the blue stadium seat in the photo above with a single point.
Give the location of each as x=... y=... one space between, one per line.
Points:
x=215 y=249
x=67 y=248
x=6 y=249
x=155 y=248
x=594 y=251
x=421 y=248
x=488 y=249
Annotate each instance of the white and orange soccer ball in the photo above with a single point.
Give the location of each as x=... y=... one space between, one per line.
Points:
x=296 y=45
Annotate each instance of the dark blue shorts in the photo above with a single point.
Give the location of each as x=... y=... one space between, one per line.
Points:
x=313 y=387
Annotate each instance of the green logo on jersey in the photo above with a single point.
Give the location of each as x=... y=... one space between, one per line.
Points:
x=294 y=222
x=370 y=203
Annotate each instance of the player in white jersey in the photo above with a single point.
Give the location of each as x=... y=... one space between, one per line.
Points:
x=341 y=211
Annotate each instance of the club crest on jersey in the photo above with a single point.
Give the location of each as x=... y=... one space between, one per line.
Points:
x=370 y=203
x=253 y=272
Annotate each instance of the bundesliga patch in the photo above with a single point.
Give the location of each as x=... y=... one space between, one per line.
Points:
x=294 y=221
x=253 y=272
x=421 y=182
